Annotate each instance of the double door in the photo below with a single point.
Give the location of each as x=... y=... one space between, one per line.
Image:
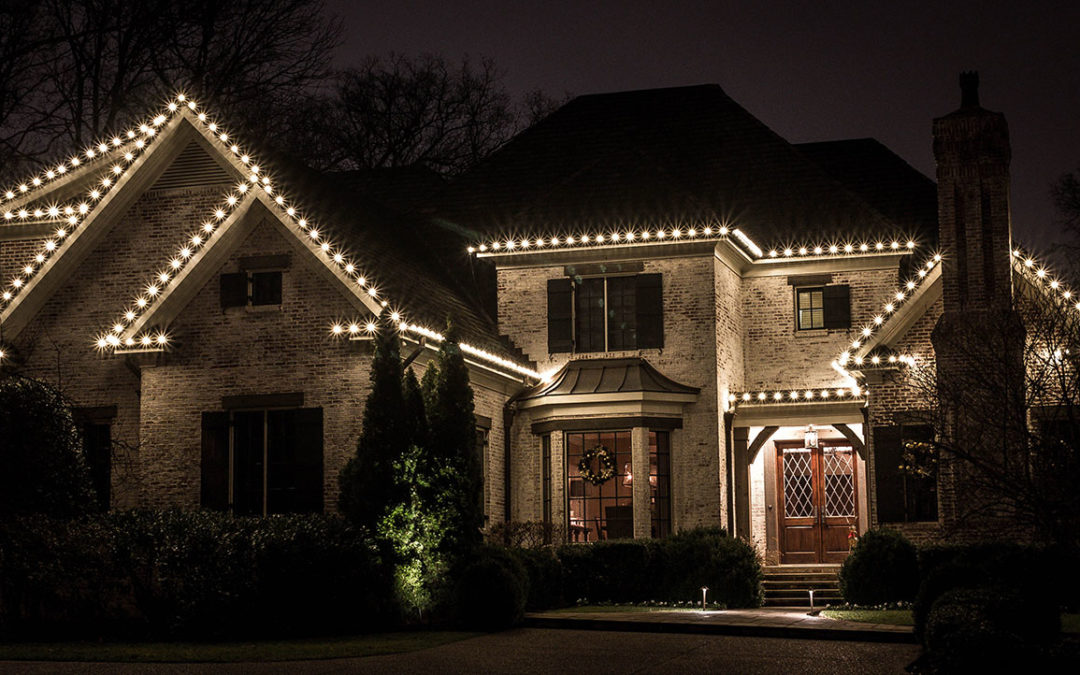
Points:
x=818 y=505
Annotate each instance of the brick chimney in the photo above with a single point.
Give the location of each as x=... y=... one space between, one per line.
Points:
x=971 y=146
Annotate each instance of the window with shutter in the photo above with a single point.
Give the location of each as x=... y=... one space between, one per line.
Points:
x=599 y=314
x=266 y=288
x=809 y=308
x=901 y=496
x=259 y=462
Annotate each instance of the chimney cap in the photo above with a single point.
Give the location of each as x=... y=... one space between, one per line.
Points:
x=969 y=89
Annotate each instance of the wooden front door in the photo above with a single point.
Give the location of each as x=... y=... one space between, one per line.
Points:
x=817 y=501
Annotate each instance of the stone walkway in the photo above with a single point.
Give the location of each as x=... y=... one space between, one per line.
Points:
x=787 y=622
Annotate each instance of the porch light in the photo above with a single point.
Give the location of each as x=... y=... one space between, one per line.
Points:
x=810 y=437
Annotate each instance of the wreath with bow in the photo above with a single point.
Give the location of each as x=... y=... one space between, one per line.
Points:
x=605 y=462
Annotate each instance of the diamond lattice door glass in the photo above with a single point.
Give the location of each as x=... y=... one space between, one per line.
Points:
x=839 y=482
x=798 y=483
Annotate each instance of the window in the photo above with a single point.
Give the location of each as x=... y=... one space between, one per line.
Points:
x=604 y=511
x=97 y=447
x=545 y=475
x=660 y=482
x=901 y=496
x=241 y=289
x=810 y=309
x=259 y=462
x=483 y=439
x=823 y=307
x=597 y=314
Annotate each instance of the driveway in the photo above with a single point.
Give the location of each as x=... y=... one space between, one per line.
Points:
x=536 y=650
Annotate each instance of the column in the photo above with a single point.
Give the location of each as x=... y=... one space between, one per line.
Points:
x=639 y=466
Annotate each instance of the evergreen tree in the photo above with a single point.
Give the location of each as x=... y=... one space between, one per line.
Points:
x=369 y=487
x=458 y=483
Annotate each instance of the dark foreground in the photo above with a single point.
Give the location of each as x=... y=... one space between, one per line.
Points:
x=533 y=650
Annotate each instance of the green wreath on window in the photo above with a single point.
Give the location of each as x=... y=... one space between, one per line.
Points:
x=606 y=464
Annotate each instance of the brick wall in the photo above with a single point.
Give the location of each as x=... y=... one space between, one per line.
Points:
x=778 y=355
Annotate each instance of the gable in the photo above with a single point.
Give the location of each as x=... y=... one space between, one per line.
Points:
x=195 y=167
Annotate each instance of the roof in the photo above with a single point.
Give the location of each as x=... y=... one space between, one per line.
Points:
x=658 y=157
x=882 y=179
x=607 y=376
x=412 y=279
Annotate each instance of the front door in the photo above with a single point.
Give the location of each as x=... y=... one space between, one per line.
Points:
x=817 y=501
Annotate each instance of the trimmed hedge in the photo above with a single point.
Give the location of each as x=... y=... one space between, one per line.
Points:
x=883 y=567
x=189 y=574
x=672 y=569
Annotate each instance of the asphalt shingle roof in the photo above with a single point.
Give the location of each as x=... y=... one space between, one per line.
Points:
x=654 y=157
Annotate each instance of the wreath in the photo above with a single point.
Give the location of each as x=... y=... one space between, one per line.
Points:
x=607 y=465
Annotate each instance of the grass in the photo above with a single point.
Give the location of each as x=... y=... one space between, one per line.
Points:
x=891 y=617
x=1070 y=623
x=230 y=652
x=608 y=609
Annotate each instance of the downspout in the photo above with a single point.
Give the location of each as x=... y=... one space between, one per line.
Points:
x=508 y=423
x=729 y=418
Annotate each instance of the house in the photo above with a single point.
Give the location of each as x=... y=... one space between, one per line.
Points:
x=672 y=316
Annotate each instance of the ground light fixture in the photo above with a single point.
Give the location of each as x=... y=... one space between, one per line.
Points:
x=704 y=591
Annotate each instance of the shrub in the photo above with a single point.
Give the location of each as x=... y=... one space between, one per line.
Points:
x=190 y=574
x=671 y=569
x=1025 y=570
x=491 y=590
x=42 y=467
x=525 y=534
x=989 y=629
x=545 y=573
x=883 y=567
x=728 y=566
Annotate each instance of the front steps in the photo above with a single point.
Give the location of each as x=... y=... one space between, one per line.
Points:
x=789 y=585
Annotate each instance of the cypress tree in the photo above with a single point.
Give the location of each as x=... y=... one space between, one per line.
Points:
x=369 y=487
x=459 y=482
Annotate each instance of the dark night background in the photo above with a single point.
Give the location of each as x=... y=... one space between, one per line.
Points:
x=812 y=71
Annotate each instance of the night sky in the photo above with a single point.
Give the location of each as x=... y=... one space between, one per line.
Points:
x=812 y=71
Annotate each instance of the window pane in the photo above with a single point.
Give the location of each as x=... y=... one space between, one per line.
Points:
x=660 y=483
x=589 y=319
x=602 y=511
x=809 y=308
x=622 y=312
x=266 y=288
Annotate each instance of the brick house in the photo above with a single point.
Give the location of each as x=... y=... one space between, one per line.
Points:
x=715 y=323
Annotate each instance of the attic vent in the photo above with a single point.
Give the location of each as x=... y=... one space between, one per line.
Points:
x=193 y=167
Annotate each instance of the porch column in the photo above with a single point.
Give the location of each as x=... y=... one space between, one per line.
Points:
x=639 y=466
x=740 y=471
x=558 y=481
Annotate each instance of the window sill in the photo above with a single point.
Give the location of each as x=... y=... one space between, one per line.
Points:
x=262 y=309
x=814 y=332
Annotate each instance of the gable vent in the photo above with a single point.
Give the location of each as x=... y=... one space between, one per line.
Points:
x=193 y=167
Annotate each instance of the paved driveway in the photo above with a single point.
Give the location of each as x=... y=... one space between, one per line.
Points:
x=534 y=650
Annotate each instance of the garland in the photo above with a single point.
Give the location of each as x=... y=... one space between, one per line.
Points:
x=607 y=465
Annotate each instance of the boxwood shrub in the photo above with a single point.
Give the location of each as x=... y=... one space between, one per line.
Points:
x=883 y=567
x=189 y=574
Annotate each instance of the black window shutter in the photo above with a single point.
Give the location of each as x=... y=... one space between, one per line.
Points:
x=888 y=480
x=837 y=301
x=234 y=290
x=650 y=311
x=560 y=301
x=215 y=460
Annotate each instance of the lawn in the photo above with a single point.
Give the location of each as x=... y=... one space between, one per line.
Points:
x=1070 y=623
x=230 y=652
x=892 y=617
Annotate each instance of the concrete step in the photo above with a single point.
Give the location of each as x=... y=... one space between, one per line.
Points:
x=800 y=585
